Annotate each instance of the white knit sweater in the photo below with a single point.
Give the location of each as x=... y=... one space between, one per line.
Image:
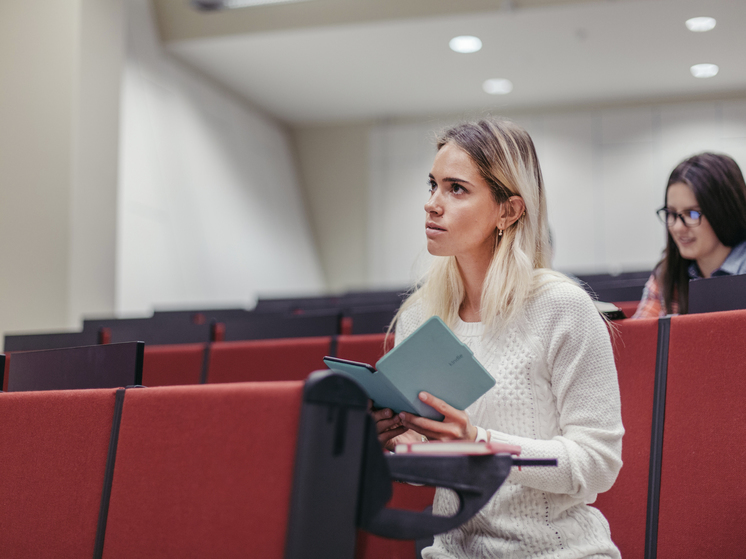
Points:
x=557 y=396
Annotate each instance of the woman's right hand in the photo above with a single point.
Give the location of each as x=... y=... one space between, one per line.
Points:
x=388 y=427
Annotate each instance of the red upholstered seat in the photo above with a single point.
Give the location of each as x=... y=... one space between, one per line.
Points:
x=366 y=348
x=204 y=471
x=53 y=449
x=624 y=505
x=703 y=475
x=267 y=360
x=169 y=365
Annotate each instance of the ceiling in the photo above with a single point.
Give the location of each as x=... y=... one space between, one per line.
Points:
x=339 y=60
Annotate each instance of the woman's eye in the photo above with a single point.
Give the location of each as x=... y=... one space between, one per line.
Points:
x=694 y=214
x=458 y=189
x=431 y=186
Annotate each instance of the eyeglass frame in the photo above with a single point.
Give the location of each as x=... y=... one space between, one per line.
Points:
x=676 y=215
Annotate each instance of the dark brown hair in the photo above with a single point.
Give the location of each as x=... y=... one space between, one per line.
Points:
x=719 y=188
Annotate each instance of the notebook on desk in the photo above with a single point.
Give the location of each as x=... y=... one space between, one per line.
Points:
x=719 y=293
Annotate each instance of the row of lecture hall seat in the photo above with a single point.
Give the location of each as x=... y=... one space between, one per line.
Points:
x=266 y=470
x=680 y=493
x=350 y=313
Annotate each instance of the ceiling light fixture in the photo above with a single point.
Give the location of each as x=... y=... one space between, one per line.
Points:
x=704 y=70
x=465 y=44
x=211 y=5
x=700 y=24
x=497 y=86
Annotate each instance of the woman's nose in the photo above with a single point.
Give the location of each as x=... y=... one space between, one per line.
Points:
x=678 y=225
x=433 y=204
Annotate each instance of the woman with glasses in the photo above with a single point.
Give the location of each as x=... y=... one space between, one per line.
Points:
x=536 y=332
x=705 y=214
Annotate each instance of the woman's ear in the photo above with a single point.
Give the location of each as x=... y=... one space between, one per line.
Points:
x=510 y=211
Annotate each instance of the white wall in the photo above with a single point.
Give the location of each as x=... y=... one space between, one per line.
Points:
x=605 y=173
x=60 y=67
x=333 y=164
x=95 y=153
x=35 y=111
x=210 y=208
x=400 y=160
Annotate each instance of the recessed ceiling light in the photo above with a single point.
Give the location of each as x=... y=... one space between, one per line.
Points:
x=704 y=70
x=465 y=44
x=700 y=24
x=498 y=86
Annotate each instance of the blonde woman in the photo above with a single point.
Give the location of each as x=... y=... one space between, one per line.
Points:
x=556 y=393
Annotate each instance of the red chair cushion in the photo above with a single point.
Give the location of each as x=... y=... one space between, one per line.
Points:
x=53 y=450
x=267 y=360
x=204 y=471
x=169 y=365
x=703 y=484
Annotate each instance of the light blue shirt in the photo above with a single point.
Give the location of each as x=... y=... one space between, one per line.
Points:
x=734 y=265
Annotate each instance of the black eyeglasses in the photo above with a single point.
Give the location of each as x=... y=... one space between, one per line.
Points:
x=690 y=218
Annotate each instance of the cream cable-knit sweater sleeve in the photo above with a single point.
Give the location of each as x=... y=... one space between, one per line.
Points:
x=587 y=436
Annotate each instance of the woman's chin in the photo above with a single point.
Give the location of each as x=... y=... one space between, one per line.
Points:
x=688 y=252
x=433 y=248
x=435 y=251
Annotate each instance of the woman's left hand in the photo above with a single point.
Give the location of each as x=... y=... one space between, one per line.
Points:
x=455 y=427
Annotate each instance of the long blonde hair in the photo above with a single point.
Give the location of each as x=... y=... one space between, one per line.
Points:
x=506 y=158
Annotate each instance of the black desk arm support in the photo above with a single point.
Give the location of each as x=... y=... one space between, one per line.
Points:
x=475 y=479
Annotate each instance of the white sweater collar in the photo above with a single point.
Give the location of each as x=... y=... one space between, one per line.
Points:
x=468 y=329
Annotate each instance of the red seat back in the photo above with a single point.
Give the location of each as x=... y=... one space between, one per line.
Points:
x=366 y=348
x=267 y=360
x=204 y=471
x=624 y=505
x=168 y=365
x=703 y=484
x=53 y=450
